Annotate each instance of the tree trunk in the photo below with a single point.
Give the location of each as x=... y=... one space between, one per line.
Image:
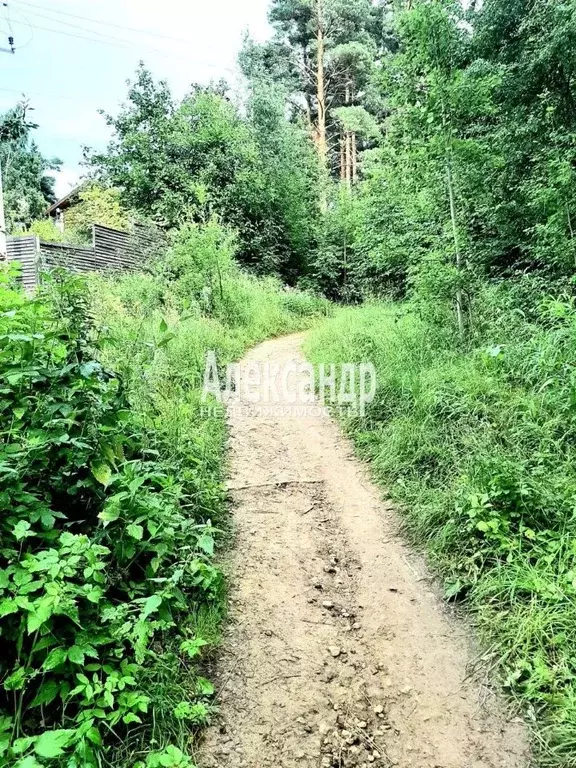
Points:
x=321 y=85
x=453 y=217
x=342 y=156
x=349 y=158
x=307 y=96
x=354 y=159
x=348 y=148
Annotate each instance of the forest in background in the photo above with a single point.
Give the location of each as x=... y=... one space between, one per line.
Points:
x=415 y=158
x=377 y=149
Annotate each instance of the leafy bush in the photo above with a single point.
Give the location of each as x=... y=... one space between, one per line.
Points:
x=177 y=160
x=96 y=204
x=111 y=487
x=48 y=232
x=44 y=229
x=100 y=552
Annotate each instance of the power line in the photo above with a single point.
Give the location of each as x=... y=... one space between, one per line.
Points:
x=7 y=10
x=116 y=42
x=127 y=46
x=25 y=92
x=79 y=37
x=26 y=21
x=92 y=31
x=108 y=23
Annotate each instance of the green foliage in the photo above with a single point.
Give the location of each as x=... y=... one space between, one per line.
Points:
x=100 y=552
x=289 y=187
x=45 y=230
x=97 y=205
x=109 y=597
x=357 y=120
x=164 y=156
x=335 y=267
x=477 y=445
x=200 y=264
x=27 y=189
x=474 y=163
x=176 y=162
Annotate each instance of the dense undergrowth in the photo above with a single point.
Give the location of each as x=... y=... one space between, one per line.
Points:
x=112 y=502
x=429 y=156
x=477 y=443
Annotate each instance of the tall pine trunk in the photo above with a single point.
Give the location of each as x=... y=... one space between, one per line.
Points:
x=349 y=158
x=321 y=84
x=308 y=96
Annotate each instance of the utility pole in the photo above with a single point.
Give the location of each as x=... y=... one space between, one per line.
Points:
x=11 y=49
x=3 y=245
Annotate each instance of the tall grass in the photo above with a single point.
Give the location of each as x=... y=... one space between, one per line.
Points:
x=477 y=444
x=157 y=330
x=113 y=502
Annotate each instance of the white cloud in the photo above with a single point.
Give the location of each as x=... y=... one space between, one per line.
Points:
x=66 y=179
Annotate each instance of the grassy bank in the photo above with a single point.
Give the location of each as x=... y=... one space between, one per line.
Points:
x=113 y=502
x=160 y=330
x=476 y=442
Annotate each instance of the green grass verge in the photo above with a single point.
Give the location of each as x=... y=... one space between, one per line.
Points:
x=477 y=446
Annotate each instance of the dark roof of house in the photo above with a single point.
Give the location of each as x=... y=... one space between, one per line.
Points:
x=67 y=200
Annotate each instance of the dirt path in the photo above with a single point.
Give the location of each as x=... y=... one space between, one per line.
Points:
x=338 y=653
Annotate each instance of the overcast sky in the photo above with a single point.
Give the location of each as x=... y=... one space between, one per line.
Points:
x=70 y=67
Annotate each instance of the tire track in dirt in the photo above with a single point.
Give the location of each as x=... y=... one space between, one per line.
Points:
x=338 y=652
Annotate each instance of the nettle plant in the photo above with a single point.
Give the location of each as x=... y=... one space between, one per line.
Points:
x=99 y=551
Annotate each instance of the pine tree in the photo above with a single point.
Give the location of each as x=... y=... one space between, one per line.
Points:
x=330 y=47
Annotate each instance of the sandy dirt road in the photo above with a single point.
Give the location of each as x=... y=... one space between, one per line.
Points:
x=338 y=652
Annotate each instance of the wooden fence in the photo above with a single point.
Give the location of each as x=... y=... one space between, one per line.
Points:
x=110 y=249
x=73 y=257
x=25 y=251
x=118 y=250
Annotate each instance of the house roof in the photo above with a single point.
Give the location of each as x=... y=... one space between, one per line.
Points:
x=67 y=200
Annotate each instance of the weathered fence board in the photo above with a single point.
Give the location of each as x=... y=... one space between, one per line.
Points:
x=73 y=257
x=24 y=250
x=111 y=249
x=115 y=249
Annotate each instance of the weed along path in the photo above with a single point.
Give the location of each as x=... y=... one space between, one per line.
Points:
x=338 y=653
